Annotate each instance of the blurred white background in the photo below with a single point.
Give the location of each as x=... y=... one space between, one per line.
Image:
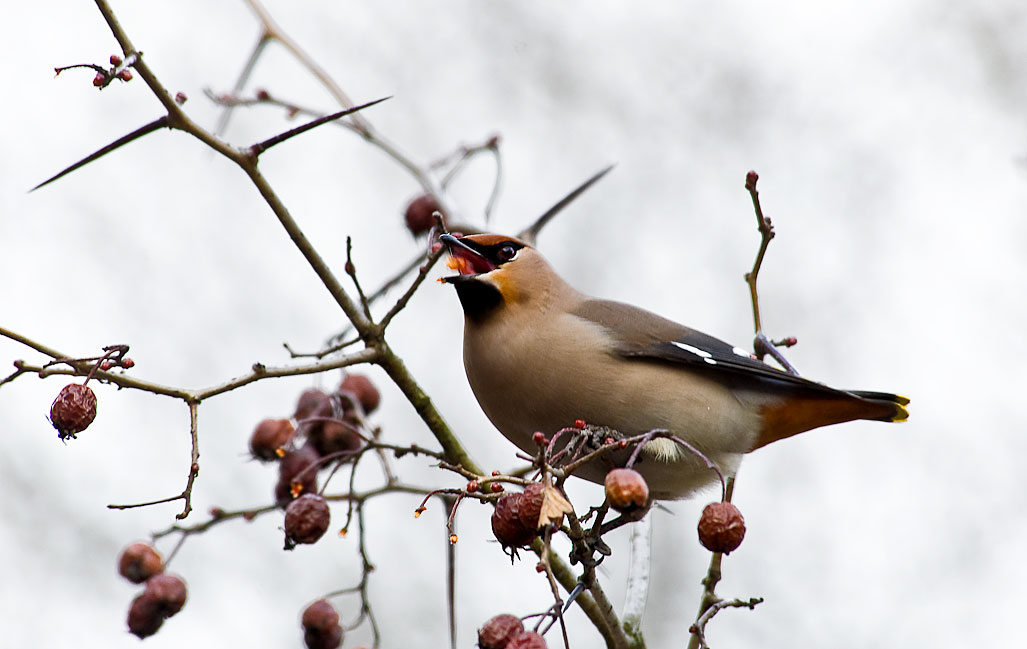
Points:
x=890 y=139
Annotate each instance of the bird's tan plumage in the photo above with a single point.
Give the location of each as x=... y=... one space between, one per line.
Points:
x=539 y=355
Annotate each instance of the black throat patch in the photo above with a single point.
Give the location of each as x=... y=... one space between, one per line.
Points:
x=479 y=299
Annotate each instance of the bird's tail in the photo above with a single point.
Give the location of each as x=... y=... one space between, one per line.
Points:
x=809 y=409
x=892 y=406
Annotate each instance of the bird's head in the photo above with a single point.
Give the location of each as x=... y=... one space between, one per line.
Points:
x=494 y=270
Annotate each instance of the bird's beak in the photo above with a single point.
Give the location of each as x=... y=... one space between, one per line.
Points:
x=464 y=259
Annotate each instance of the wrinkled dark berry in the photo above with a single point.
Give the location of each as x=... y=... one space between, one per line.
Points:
x=498 y=631
x=321 y=629
x=506 y=522
x=144 y=616
x=168 y=591
x=73 y=410
x=306 y=519
x=721 y=527
x=138 y=562
x=335 y=437
x=530 y=507
x=527 y=640
x=311 y=402
x=270 y=438
x=298 y=466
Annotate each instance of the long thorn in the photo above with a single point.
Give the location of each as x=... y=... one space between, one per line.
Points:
x=160 y=122
x=260 y=147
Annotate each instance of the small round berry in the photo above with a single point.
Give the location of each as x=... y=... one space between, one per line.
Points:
x=306 y=519
x=297 y=472
x=626 y=490
x=506 y=522
x=144 y=616
x=125 y=75
x=73 y=410
x=420 y=214
x=529 y=510
x=269 y=437
x=721 y=527
x=539 y=438
x=138 y=562
x=105 y=365
x=473 y=486
x=330 y=437
x=579 y=423
x=311 y=403
x=181 y=98
x=527 y=640
x=321 y=629
x=262 y=94
x=495 y=487
x=499 y=631
x=364 y=390
x=115 y=59
x=99 y=79
x=128 y=363
x=168 y=591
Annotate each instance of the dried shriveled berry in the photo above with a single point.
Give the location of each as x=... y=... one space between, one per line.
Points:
x=138 y=562
x=506 y=522
x=530 y=507
x=73 y=410
x=297 y=474
x=168 y=591
x=364 y=390
x=419 y=214
x=321 y=629
x=306 y=519
x=269 y=436
x=721 y=527
x=527 y=640
x=626 y=490
x=144 y=616
x=499 y=631
x=335 y=436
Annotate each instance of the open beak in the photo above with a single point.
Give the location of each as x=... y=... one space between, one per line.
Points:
x=464 y=259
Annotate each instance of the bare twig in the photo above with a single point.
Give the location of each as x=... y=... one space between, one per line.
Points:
x=698 y=630
x=530 y=233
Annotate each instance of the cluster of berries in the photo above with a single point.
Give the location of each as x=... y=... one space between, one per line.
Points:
x=328 y=427
x=163 y=596
x=507 y=632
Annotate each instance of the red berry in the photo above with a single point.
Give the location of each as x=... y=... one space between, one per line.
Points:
x=721 y=527
x=181 y=98
x=115 y=59
x=539 y=438
x=420 y=214
x=168 y=591
x=144 y=616
x=321 y=629
x=473 y=486
x=497 y=632
x=138 y=562
x=495 y=487
x=99 y=79
x=527 y=640
x=306 y=520
x=73 y=410
x=363 y=389
x=262 y=94
x=579 y=423
x=506 y=522
x=270 y=437
x=335 y=437
x=297 y=472
x=128 y=363
x=626 y=490
x=125 y=75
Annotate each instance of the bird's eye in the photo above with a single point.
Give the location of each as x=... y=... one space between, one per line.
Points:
x=506 y=253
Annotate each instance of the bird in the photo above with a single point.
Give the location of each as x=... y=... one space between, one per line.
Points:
x=540 y=355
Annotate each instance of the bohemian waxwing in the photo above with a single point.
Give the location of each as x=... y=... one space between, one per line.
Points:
x=539 y=355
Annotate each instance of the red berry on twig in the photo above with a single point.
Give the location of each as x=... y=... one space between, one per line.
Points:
x=321 y=629
x=721 y=527
x=297 y=472
x=499 y=631
x=506 y=522
x=138 y=562
x=626 y=490
x=144 y=617
x=168 y=591
x=527 y=640
x=306 y=519
x=420 y=214
x=73 y=410
x=99 y=79
x=364 y=390
x=269 y=437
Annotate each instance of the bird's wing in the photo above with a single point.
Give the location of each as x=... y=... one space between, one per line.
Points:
x=638 y=333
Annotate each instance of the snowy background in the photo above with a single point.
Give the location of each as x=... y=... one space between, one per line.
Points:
x=890 y=139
